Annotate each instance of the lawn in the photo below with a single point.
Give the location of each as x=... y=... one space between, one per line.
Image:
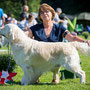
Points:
x=46 y=78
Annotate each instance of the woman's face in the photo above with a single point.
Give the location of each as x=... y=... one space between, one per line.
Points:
x=46 y=15
x=26 y=9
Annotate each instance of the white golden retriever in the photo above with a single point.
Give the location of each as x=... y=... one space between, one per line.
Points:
x=36 y=57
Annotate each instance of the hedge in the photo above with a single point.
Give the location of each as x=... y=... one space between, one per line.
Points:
x=4 y=63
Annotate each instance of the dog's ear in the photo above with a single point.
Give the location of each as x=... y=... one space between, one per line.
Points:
x=11 y=35
x=14 y=37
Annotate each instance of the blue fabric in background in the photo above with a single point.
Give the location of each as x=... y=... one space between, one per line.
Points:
x=1 y=14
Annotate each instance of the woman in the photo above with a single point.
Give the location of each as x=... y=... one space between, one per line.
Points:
x=49 y=32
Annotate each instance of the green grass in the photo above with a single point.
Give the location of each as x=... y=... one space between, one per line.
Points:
x=46 y=78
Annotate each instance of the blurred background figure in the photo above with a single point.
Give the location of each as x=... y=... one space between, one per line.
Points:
x=57 y=14
x=2 y=18
x=24 y=11
x=9 y=19
x=30 y=21
x=65 y=21
x=2 y=21
x=5 y=15
x=22 y=22
x=58 y=11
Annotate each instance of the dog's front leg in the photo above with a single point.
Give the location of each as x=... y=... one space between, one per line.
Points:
x=28 y=75
x=31 y=75
x=56 y=74
x=24 y=81
x=55 y=78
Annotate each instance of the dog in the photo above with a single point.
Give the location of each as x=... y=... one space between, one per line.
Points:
x=36 y=57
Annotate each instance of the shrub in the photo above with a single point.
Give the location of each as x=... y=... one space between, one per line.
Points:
x=85 y=34
x=72 y=24
x=4 y=63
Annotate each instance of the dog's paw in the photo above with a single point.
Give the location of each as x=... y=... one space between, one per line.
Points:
x=55 y=81
x=82 y=82
x=24 y=82
x=38 y=81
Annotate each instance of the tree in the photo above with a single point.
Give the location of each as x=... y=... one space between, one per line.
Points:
x=33 y=5
x=24 y=2
x=15 y=6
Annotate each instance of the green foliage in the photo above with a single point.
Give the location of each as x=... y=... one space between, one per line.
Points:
x=15 y=7
x=33 y=5
x=85 y=34
x=72 y=24
x=4 y=63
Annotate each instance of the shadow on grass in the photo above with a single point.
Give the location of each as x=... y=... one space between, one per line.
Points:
x=11 y=83
x=87 y=83
x=45 y=83
x=41 y=83
x=49 y=83
x=19 y=83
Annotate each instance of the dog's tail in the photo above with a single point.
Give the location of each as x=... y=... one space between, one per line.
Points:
x=82 y=47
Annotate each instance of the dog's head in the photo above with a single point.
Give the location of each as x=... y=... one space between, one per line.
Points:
x=7 y=31
x=11 y=32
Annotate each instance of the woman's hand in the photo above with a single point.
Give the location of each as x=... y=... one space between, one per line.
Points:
x=88 y=42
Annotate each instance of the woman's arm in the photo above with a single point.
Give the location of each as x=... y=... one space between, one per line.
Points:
x=29 y=33
x=71 y=38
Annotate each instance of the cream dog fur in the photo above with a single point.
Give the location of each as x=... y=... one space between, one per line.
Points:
x=36 y=57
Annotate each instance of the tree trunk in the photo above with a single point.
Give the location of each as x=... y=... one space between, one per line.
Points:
x=24 y=2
